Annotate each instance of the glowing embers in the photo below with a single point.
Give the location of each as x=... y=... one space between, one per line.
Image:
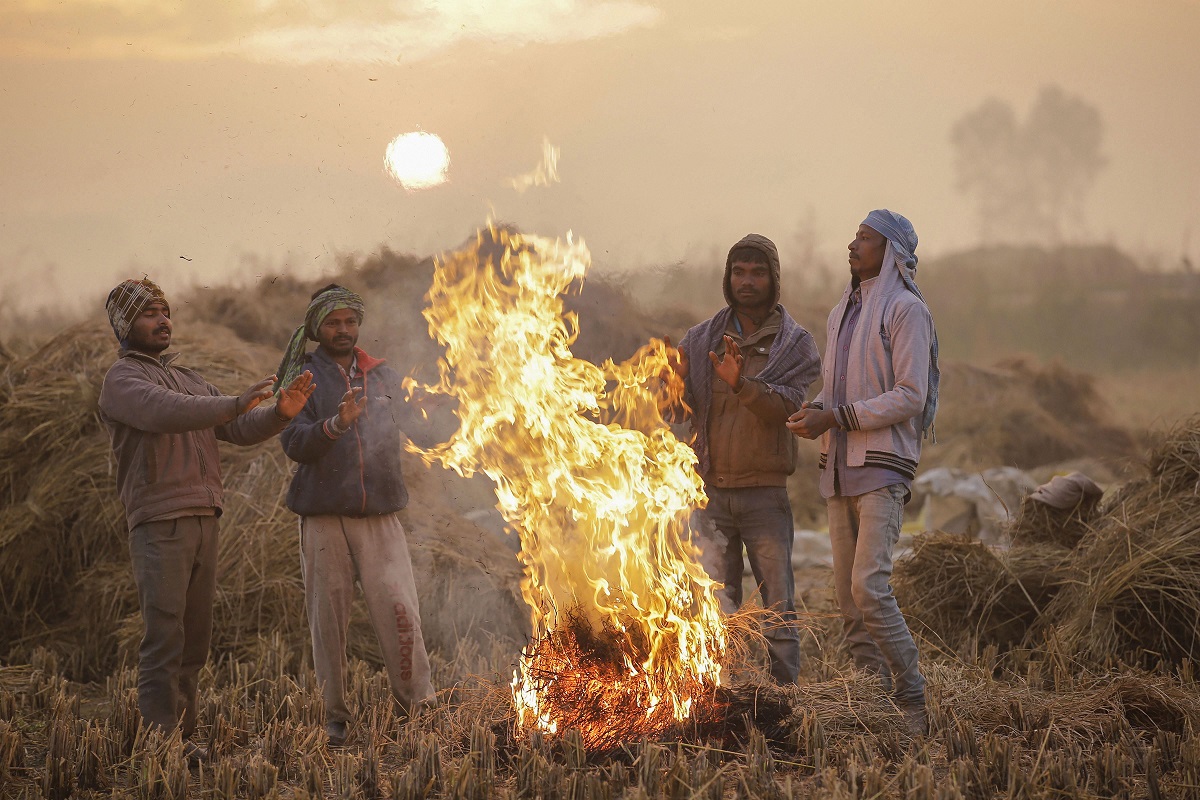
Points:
x=624 y=619
x=593 y=681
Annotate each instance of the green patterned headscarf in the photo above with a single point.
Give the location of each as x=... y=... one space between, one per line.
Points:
x=325 y=302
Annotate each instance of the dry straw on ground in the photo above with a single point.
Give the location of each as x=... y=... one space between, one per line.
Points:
x=961 y=593
x=1128 y=591
x=1022 y=414
x=1051 y=732
x=1138 y=590
x=1038 y=523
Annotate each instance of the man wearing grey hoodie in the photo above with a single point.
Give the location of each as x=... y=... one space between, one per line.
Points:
x=746 y=369
x=878 y=397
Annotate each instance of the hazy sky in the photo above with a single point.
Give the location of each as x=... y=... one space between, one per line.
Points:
x=248 y=135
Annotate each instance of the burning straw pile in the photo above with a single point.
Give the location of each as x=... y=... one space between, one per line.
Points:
x=625 y=621
x=1127 y=590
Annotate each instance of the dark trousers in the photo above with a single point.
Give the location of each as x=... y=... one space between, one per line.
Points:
x=175 y=568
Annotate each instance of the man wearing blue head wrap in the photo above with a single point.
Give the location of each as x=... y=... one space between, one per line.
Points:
x=878 y=400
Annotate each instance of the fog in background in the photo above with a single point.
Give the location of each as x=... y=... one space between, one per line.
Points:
x=205 y=143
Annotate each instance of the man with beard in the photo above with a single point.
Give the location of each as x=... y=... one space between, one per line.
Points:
x=745 y=370
x=878 y=397
x=347 y=490
x=164 y=422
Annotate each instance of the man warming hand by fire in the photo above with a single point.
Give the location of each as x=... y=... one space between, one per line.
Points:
x=164 y=421
x=347 y=491
x=879 y=396
x=745 y=370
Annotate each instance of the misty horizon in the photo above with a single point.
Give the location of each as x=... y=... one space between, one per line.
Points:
x=191 y=145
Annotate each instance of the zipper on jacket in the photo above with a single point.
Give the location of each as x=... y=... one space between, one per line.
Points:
x=362 y=465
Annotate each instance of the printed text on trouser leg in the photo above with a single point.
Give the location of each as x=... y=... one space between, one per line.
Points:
x=404 y=627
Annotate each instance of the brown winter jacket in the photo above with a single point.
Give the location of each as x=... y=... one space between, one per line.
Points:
x=749 y=444
x=164 y=422
x=740 y=437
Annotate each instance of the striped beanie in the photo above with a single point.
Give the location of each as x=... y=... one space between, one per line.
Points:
x=128 y=300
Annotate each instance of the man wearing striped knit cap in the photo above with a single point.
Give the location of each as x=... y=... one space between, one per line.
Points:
x=348 y=490
x=164 y=421
x=878 y=400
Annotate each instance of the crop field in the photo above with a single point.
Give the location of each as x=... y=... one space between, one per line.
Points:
x=1059 y=665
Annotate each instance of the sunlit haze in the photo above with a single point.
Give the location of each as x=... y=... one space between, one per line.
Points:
x=417 y=160
x=202 y=142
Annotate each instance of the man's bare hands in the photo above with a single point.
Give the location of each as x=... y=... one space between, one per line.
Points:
x=255 y=395
x=729 y=366
x=676 y=359
x=351 y=407
x=293 y=397
x=809 y=422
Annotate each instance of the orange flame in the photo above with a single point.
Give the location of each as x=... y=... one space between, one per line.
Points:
x=600 y=491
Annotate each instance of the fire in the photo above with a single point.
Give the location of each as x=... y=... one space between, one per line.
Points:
x=627 y=633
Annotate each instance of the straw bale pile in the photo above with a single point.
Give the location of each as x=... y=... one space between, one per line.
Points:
x=1139 y=587
x=960 y=592
x=1023 y=414
x=59 y=512
x=1128 y=590
x=1038 y=523
x=65 y=580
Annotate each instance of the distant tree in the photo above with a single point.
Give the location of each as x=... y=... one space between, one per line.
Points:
x=1029 y=181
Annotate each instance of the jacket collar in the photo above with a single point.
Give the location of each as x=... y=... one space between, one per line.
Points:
x=366 y=363
x=163 y=361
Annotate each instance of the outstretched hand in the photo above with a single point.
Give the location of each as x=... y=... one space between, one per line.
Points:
x=729 y=366
x=293 y=397
x=255 y=395
x=677 y=360
x=351 y=407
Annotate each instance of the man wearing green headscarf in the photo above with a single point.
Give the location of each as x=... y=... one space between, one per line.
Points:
x=348 y=489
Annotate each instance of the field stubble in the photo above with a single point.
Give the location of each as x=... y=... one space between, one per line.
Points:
x=1011 y=716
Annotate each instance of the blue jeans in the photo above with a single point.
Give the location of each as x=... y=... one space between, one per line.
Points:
x=761 y=519
x=863 y=530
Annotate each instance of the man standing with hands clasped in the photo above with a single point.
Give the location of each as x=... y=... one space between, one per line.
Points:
x=164 y=422
x=745 y=370
x=879 y=397
x=347 y=490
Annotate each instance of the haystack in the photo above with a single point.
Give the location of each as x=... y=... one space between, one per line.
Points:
x=1022 y=414
x=1139 y=585
x=65 y=581
x=960 y=593
x=1038 y=523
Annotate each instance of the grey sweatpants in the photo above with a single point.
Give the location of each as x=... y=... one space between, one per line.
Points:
x=175 y=569
x=335 y=551
x=863 y=531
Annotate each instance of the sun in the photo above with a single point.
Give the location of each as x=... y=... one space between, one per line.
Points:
x=417 y=160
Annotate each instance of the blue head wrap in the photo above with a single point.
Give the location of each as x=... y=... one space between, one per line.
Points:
x=903 y=239
x=897 y=230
